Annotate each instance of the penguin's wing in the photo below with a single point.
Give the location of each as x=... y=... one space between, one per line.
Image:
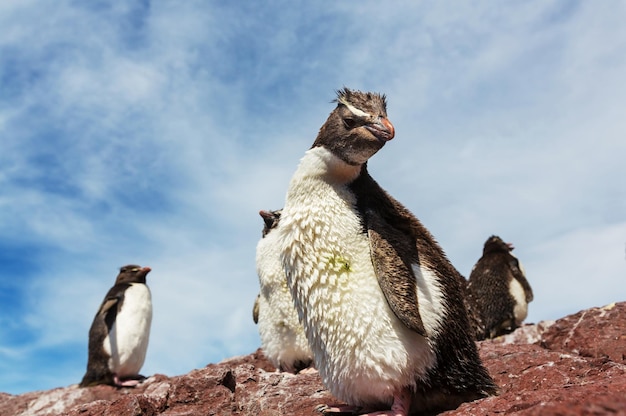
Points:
x=255 y=309
x=393 y=254
x=112 y=304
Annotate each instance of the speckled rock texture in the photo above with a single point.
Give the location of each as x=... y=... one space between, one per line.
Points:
x=573 y=366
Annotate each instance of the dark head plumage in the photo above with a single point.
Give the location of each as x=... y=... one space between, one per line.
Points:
x=496 y=244
x=360 y=99
x=132 y=273
x=270 y=220
x=358 y=127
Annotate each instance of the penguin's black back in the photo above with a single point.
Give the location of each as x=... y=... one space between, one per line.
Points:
x=489 y=285
x=459 y=375
x=98 y=371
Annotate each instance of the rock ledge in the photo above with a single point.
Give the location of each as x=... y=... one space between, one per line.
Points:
x=573 y=366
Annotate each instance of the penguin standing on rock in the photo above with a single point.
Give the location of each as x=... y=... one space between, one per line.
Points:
x=282 y=337
x=499 y=288
x=118 y=338
x=381 y=305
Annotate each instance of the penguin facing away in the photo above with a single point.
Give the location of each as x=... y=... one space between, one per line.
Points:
x=381 y=305
x=473 y=312
x=282 y=336
x=119 y=334
x=499 y=288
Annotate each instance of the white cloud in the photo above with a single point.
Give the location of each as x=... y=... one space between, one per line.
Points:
x=581 y=268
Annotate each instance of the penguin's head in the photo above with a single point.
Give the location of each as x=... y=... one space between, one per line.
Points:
x=357 y=128
x=496 y=244
x=132 y=274
x=270 y=220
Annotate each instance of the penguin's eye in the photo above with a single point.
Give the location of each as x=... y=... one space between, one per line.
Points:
x=134 y=269
x=349 y=123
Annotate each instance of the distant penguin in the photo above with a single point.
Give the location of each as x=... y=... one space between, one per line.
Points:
x=381 y=305
x=282 y=337
x=118 y=338
x=499 y=288
x=473 y=311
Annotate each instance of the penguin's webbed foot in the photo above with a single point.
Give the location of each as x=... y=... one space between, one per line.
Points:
x=400 y=407
x=326 y=409
x=128 y=382
x=309 y=370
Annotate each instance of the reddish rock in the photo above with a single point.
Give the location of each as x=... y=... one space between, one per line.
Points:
x=536 y=381
x=595 y=333
x=574 y=366
x=526 y=334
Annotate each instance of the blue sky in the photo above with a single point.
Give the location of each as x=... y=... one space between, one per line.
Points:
x=153 y=133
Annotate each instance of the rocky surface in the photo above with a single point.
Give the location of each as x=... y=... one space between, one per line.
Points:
x=573 y=366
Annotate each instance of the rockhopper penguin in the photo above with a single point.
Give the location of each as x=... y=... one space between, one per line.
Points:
x=380 y=303
x=282 y=336
x=118 y=338
x=499 y=288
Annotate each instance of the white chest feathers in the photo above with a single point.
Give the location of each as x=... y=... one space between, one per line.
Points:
x=282 y=336
x=520 y=310
x=362 y=350
x=127 y=341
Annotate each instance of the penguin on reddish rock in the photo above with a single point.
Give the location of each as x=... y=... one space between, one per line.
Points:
x=119 y=334
x=282 y=337
x=381 y=305
x=499 y=289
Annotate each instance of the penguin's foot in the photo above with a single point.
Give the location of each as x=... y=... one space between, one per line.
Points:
x=338 y=410
x=127 y=382
x=401 y=406
x=309 y=370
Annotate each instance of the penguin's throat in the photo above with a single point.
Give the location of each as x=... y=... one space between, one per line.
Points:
x=320 y=161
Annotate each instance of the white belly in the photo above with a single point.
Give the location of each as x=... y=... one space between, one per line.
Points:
x=282 y=336
x=127 y=341
x=520 y=310
x=363 y=352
